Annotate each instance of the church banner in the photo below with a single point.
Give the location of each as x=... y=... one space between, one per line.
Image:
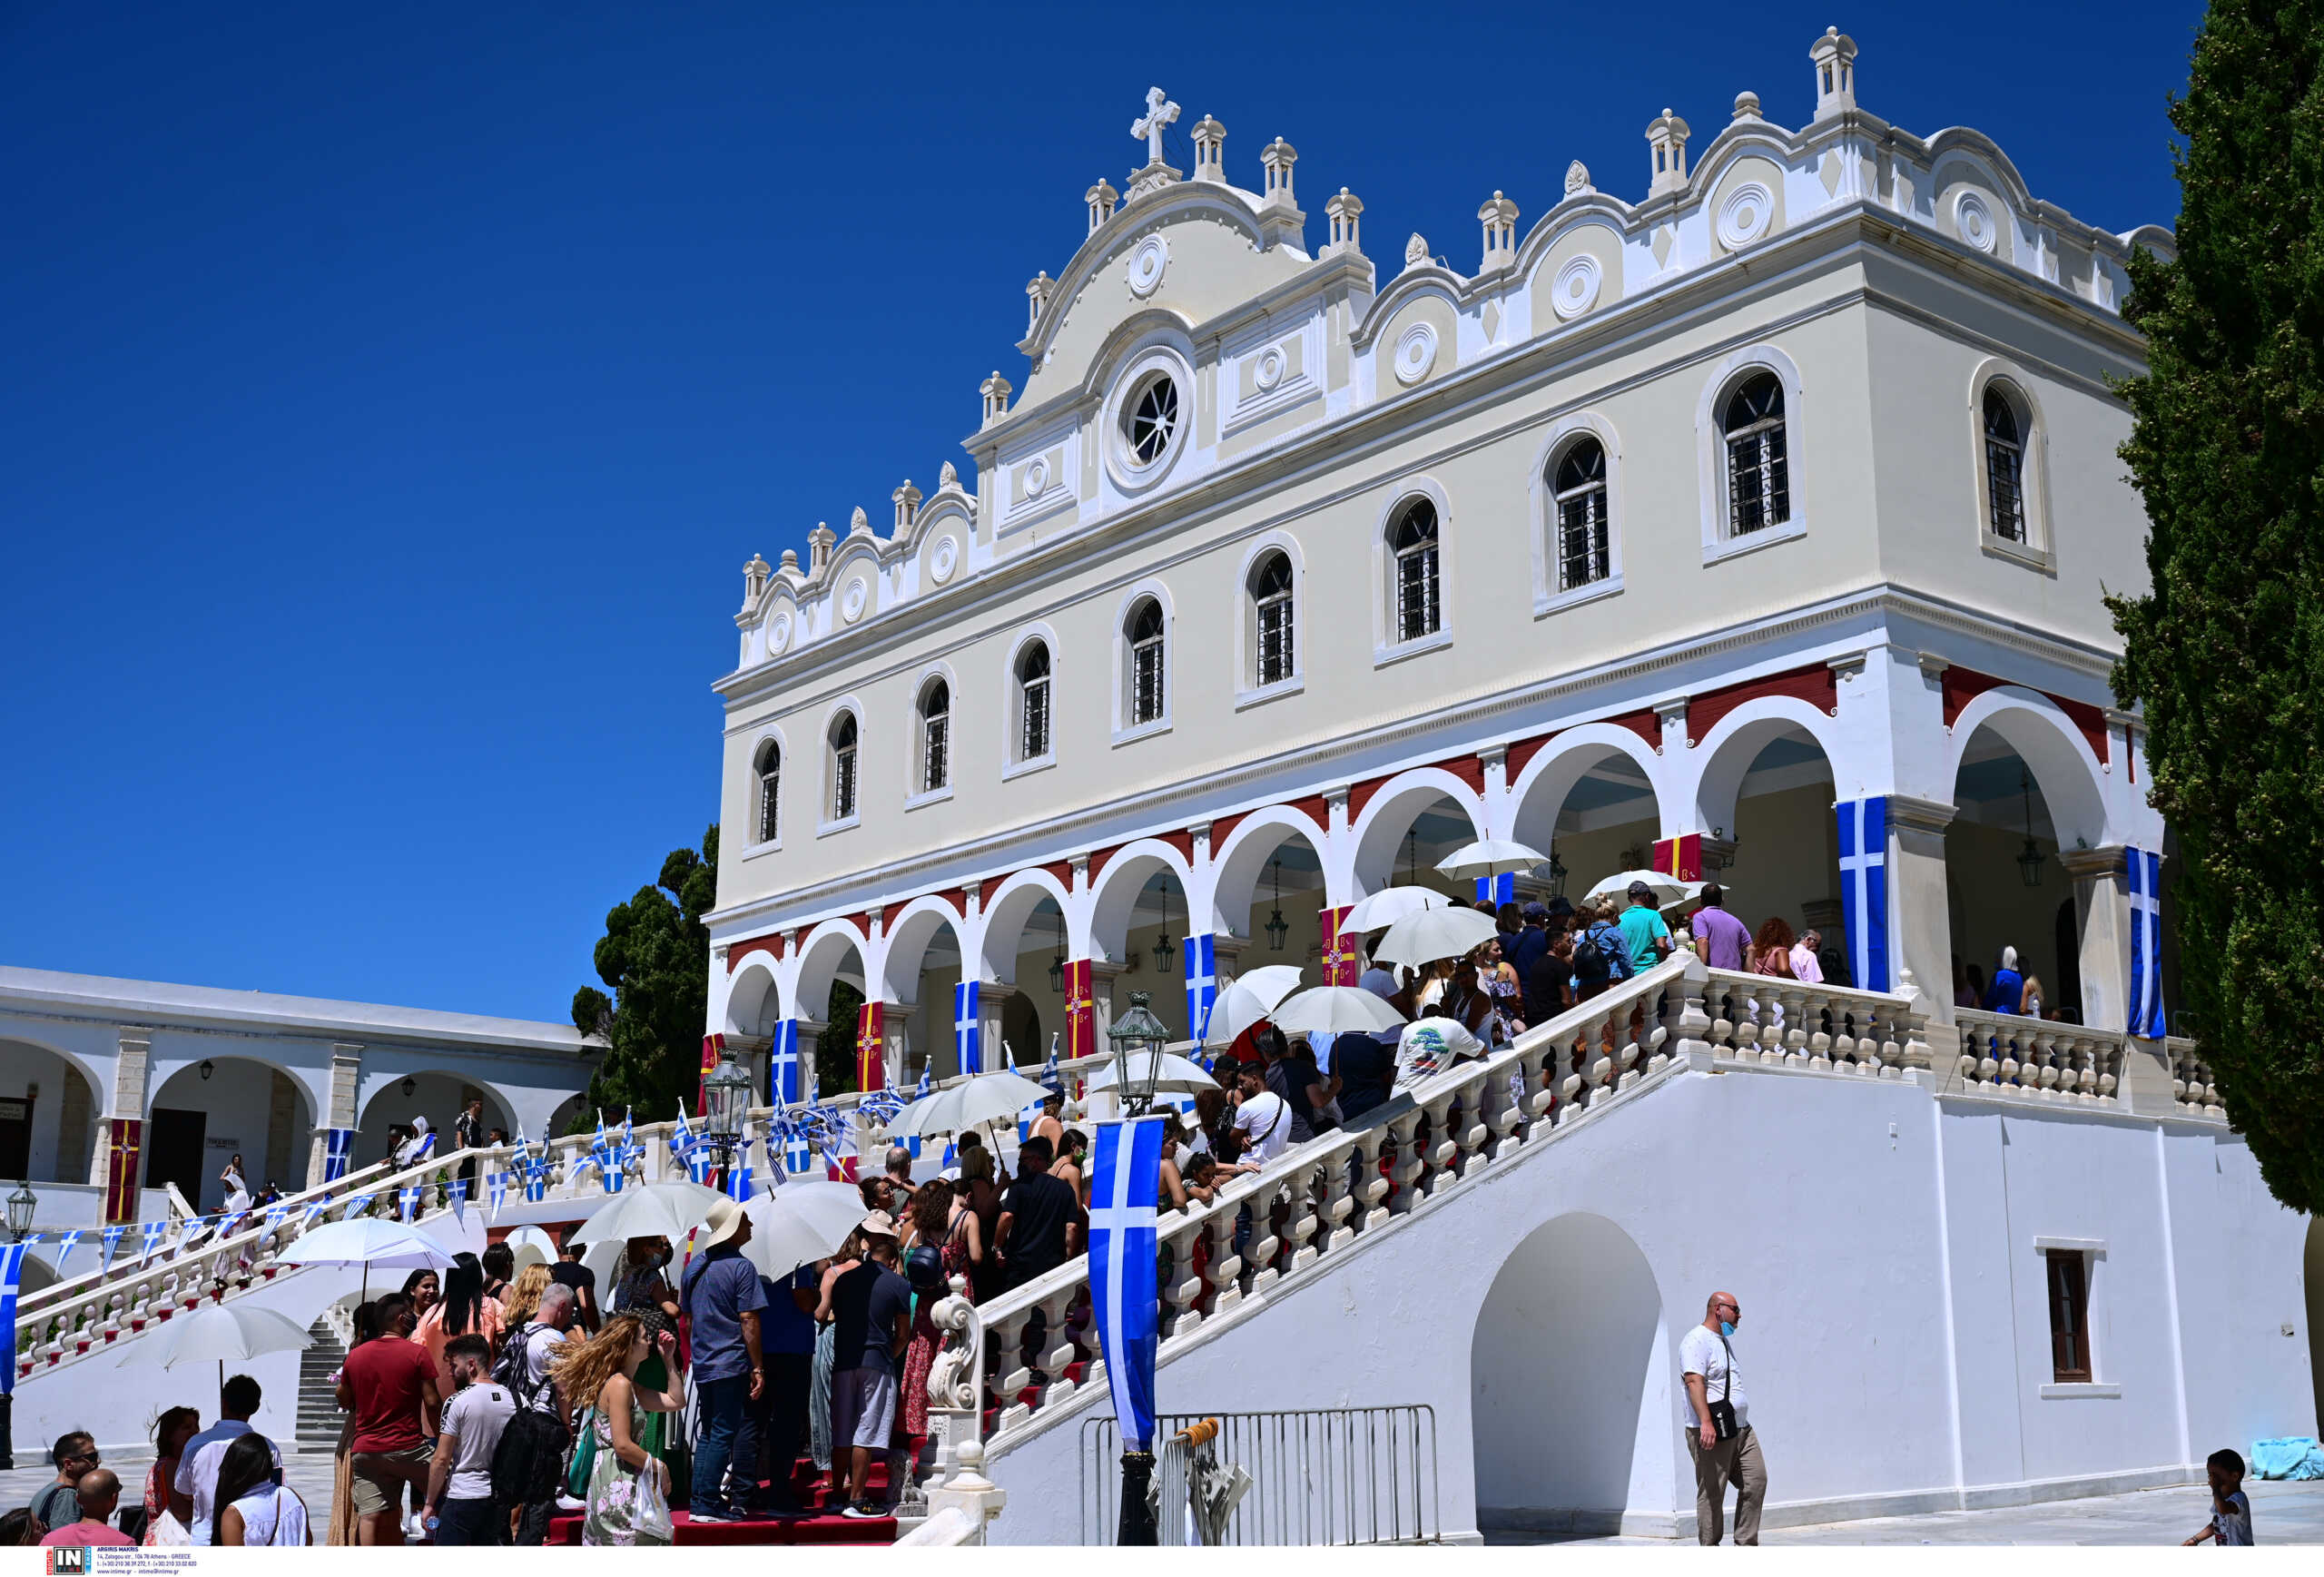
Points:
x=870 y=1047
x=1343 y=955
x=124 y=1135
x=1080 y=1011
x=1681 y=857
x=712 y=1045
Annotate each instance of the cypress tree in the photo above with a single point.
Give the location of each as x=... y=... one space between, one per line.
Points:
x=2224 y=653
x=655 y=955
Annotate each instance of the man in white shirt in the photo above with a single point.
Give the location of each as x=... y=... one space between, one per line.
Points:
x=198 y=1463
x=552 y=1321
x=1427 y=1046
x=1715 y=1380
x=1261 y=1115
x=459 y=1477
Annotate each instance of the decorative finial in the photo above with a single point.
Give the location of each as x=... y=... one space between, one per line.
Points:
x=1416 y=250
x=1577 y=178
x=1101 y=199
x=1747 y=106
x=1345 y=213
x=858 y=524
x=947 y=478
x=1159 y=113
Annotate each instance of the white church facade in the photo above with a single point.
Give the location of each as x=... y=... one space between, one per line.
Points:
x=1758 y=527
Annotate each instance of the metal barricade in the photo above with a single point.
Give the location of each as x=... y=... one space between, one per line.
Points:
x=1334 y=1475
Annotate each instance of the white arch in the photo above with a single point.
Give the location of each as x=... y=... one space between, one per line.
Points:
x=1114 y=893
x=1236 y=865
x=905 y=940
x=312 y=1083
x=1001 y=925
x=101 y=1106
x=754 y=997
x=1389 y=814
x=376 y=1084
x=1722 y=756
x=821 y=952
x=2067 y=771
x=1539 y=793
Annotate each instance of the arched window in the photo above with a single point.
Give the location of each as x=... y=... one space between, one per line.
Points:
x=935 y=736
x=2004 y=467
x=1033 y=701
x=1271 y=606
x=1413 y=540
x=843 y=767
x=1144 y=632
x=768 y=768
x=1758 y=474
x=1578 y=485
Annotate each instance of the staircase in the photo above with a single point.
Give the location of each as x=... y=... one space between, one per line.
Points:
x=319 y=1418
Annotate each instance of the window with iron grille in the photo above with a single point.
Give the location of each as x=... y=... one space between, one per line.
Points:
x=1414 y=541
x=2004 y=467
x=1580 y=488
x=843 y=767
x=1146 y=663
x=935 y=727
x=1758 y=474
x=2069 y=1315
x=1271 y=603
x=1033 y=703
x=769 y=769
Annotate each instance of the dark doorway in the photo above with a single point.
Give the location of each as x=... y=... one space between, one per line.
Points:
x=17 y=1137
x=173 y=1150
x=2067 y=936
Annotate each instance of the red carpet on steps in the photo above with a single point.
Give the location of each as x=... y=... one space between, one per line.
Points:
x=825 y=1527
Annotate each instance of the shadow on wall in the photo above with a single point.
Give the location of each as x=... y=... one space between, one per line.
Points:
x=1571 y=1409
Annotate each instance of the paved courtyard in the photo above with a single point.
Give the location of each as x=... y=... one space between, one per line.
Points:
x=2280 y=1514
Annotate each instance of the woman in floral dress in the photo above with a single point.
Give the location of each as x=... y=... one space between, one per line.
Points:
x=604 y=1370
x=933 y=1223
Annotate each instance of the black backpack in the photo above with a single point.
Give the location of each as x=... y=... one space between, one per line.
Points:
x=924 y=1267
x=528 y=1464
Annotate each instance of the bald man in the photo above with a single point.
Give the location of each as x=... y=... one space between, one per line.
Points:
x=1717 y=1418
x=99 y=1492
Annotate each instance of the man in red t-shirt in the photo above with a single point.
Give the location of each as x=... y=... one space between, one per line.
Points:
x=389 y=1383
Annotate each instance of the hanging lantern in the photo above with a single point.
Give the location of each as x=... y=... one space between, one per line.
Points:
x=725 y=1100
x=2029 y=862
x=1137 y=1039
x=1277 y=926
x=1557 y=875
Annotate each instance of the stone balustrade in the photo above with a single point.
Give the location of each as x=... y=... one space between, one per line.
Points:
x=2190 y=1079
x=2039 y=1059
x=1774 y=1021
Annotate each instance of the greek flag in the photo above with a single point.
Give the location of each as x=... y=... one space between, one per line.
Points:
x=1202 y=982
x=611 y=1175
x=12 y=1271
x=1864 y=889
x=1124 y=1291
x=782 y=1062
x=154 y=1232
x=967 y=1029
x=798 y=1151
x=338 y=1146
x=627 y=1137
x=496 y=1193
x=274 y=1215
x=739 y=1171
x=315 y=1207
x=357 y=1207
x=71 y=1241
x=1497 y=890
x=459 y=1200
x=536 y=1180
x=228 y=1224
x=407 y=1198
x=111 y=1242
x=681 y=1137
x=926 y=1088
x=2144 y=871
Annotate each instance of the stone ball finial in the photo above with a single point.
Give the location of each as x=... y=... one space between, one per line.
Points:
x=1577 y=178
x=1747 y=106
x=791 y=558
x=1416 y=250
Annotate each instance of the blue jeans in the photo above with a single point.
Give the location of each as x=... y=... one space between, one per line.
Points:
x=720 y=1403
x=467 y=1522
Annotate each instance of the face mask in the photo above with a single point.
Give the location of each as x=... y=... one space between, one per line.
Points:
x=1726 y=1328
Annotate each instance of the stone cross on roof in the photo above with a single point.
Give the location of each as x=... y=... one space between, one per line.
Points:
x=1159 y=113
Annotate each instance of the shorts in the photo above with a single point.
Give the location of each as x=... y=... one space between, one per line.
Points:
x=380 y=1475
x=864 y=1408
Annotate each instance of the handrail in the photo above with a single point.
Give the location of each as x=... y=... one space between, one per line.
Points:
x=2039 y=1059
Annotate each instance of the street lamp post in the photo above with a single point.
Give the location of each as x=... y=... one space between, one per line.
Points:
x=725 y=1101
x=21 y=1206
x=1138 y=1041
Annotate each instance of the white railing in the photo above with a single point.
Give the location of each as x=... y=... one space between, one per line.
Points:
x=2041 y=1059
x=2190 y=1079
x=1029 y=1349
x=1770 y=1021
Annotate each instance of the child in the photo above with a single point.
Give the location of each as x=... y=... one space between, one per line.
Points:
x=2230 y=1520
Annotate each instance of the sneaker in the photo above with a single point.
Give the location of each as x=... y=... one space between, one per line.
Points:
x=699 y=1518
x=864 y=1511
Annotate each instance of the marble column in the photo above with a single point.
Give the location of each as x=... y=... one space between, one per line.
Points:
x=992 y=1010
x=1920 y=933
x=346 y=1082
x=2101 y=912
x=129 y=1077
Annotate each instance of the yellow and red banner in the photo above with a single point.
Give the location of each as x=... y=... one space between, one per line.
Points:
x=1681 y=857
x=711 y=1045
x=1342 y=956
x=1080 y=1011
x=871 y=1047
x=125 y=1137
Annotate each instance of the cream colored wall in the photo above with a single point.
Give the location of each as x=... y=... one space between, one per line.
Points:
x=1788 y=857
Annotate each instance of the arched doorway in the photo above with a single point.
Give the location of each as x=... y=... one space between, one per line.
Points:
x=1591 y=806
x=1139 y=920
x=924 y=961
x=1025 y=946
x=2002 y=880
x=206 y=1113
x=1766 y=797
x=1572 y=1412
x=1414 y=821
x=48 y=1115
x=391 y=1101
x=1268 y=889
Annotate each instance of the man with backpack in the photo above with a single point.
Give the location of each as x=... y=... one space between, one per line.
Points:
x=528 y=1462
x=722 y=1297
x=459 y=1477
x=1601 y=954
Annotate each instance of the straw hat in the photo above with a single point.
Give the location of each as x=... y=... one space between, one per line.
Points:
x=725 y=1218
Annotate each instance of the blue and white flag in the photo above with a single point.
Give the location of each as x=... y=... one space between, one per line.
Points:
x=459 y=1192
x=2143 y=869
x=111 y=1240
x=358 y=1207
x=612 y=1176
x=798 y=1149
x=339 y=1147
x=968 y=1027
x=739 y=1171
x=229 y=1225
x=408 y=1199
x=70 y=1241
x=154 y=1232
x=681 y=1137
x=536 y=1180
x=426 y=1149
x=600 y=1142
x=1202 y=982
x=1125 y=1290
x=626 y=1136
x=1864 y=889
x=274 y=1215
x=1052 y=1079
x=495 y=1194
x=12 y=1272
x=783 y=1063
x=926 y=1088
x=1497 y=890
x=315 y=1207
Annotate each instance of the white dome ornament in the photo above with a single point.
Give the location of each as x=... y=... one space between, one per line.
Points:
x=1148 y=260
x=1744 y=216
x=1974 y=221
x=1267 y=370
x=1574 y=290
x=1415 y=353
x=852 y=600
x=944 y=558
x=778 y=634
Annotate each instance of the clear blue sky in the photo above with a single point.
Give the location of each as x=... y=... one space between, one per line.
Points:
x=392 y=395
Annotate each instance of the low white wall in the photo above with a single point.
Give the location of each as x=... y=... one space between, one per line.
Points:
x=1881 y=1243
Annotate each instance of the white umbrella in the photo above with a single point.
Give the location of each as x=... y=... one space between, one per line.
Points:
x=1491 y=857
x=1336 y=1011
x=1250 y=999
x=987 y=1098
x=1175 y=1075
x=798 y=1223
x=368 y=1241
x=1667 y=889
x=531 y=1246
x=223 y=1330
x=670 y=1208
x=1270 y=983
x=1433 y=935
x=1389 y=905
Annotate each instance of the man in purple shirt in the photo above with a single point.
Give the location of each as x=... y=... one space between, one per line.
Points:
x=1723 y=941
